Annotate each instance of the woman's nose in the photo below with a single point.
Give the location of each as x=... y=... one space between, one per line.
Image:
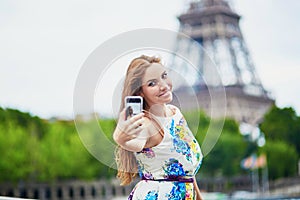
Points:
x=164 y=85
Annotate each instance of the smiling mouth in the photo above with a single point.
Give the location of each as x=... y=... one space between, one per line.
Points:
x=163 y=93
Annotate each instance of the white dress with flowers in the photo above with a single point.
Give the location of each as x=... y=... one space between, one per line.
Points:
x=166 y=170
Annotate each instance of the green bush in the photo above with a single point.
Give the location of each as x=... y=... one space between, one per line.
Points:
x=33 y=149
x=18 y=151
x=282 y=159
x=282 y=124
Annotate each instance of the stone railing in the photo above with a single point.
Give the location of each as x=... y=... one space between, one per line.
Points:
x=66 y=190
x=104 y=189
x=225 y=185
x=110 y=189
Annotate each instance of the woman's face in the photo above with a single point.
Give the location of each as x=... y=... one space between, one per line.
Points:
x=157 y=86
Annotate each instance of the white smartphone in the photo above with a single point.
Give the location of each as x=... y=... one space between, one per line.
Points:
x=133 y=105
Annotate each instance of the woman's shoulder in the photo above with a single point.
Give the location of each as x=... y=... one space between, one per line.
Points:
x=174 y=109
x=147 y=119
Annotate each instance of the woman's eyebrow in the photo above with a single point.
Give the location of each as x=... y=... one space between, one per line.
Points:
x=154 y=79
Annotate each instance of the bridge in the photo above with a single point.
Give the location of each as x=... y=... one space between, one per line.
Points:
x=111 y=190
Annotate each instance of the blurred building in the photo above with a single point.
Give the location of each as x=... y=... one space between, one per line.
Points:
x=223 y=65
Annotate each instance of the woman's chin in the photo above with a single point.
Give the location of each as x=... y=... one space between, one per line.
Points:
x=171 y=98
x=168 y=98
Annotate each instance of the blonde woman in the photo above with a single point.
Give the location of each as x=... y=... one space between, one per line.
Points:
x=157 y=144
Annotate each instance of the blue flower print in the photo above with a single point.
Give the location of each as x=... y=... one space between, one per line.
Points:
x=198 y=167
x=174 y=169
x=165 y=170
x=179 y=145
x=152 y=195
x=140 y=169
x=143 y=173
x=172 y=128
x=181 y=121
x=177 y=192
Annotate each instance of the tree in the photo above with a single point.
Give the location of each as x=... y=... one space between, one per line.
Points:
x=33 y=149
x=63 y=156
x=281 y=159
x=18 y=152
x=225 y=157
x=282 y=124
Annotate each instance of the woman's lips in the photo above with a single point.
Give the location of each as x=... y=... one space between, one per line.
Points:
x=164 y=94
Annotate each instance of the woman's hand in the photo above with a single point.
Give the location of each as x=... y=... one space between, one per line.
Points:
x=129 y=129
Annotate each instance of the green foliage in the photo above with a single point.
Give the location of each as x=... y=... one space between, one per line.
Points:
x=33 y=124
x=39 y=150
x=18 y=152
x=281 y=158
x=225 y=157
x=282 y=124
x=198 y=122
x=281 y=127
x=231 y=126
x=33 y=149
x=108 y=127
x=62 y=155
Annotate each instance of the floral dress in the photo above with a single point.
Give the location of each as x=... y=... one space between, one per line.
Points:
x=167 y=170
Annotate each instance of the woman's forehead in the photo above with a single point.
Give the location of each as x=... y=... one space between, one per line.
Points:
x=155 y=69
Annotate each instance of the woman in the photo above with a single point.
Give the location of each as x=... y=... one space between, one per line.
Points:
x=157 y=144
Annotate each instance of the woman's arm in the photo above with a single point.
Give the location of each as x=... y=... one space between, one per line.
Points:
x=137 y=143
x=131 y=134
x=197 y=190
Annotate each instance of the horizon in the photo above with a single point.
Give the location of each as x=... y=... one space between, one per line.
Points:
x=42 y=53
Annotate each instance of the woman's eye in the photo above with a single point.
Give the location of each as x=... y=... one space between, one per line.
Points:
x=165 y=75
x=152 y=83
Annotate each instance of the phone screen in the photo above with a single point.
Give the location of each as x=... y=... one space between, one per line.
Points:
x=133 y=105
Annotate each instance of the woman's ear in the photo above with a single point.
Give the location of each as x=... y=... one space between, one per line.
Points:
x=141 y=93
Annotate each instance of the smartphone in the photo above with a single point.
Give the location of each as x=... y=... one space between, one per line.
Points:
x=133 y=105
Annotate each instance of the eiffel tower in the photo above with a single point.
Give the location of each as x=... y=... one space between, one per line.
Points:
x=213 y=25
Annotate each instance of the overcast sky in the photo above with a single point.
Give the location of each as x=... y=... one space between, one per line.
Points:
x=43 y=45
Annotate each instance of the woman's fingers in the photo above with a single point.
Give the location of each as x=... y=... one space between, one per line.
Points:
x=136 y=124
x=129 y=129
x=132 y=123
x=137 y=132
x=134 y=130
x=130 y=135
x=122 y=115
x=135 y=117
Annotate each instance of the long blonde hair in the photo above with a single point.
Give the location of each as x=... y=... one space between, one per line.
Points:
x=126 y=161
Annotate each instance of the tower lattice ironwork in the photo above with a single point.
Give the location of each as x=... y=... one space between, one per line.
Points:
x=213 y=25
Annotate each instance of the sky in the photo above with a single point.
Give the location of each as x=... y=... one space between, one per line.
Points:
x=43 y=45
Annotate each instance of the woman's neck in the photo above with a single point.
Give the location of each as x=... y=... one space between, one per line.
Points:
x=159 y=110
